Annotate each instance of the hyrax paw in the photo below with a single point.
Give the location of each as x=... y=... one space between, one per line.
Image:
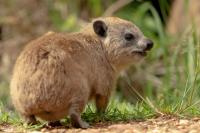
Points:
x=81 y=124
x=84 y=125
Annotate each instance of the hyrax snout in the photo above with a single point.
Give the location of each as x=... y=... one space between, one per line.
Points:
x=57 y=74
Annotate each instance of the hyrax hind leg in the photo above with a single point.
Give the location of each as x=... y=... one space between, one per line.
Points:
x=101 y=103
x=75 y=114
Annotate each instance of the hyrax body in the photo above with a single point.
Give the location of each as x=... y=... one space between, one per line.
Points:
x=57 y=74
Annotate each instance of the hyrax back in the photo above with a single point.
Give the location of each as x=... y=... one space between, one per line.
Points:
x=57 y=74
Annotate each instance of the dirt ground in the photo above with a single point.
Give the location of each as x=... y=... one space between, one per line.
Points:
x=157 y=125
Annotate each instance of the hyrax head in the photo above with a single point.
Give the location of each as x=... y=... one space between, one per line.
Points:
x=123 y=41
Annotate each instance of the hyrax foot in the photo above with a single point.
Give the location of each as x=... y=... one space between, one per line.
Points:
x=78 y=122
x=54 y=124
x=30 y=119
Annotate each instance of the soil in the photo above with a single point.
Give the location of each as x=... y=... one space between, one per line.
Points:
x=156 y=125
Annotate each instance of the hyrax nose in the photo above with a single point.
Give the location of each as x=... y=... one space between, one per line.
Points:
x=149 y=44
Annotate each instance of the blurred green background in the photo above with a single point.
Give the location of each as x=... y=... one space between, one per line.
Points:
x=168 y=79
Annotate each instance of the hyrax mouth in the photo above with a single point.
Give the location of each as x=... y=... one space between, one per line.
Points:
x=140 y=52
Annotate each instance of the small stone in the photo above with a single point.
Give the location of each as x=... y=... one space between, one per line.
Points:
x=193 y=131
x=183 y=122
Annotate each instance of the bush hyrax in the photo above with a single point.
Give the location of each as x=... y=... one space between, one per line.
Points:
x=57 y=74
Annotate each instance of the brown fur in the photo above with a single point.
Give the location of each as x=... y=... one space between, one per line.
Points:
x=57 y=74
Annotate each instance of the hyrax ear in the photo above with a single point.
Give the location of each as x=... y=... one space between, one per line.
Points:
x=100 y=28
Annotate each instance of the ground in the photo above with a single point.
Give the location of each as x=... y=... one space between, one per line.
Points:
x=166 y=124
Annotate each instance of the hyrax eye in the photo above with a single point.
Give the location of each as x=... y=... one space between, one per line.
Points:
x=129 y=36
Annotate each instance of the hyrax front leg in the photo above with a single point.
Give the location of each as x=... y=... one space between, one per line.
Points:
x=29 y=119
x=54 y=124
x=101 y=103
x=75 y=115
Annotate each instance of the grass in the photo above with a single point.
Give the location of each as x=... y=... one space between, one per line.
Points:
x=179 y=91
x=117 y=111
